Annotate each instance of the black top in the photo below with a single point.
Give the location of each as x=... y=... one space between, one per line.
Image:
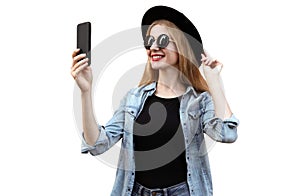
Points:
x=159 y=144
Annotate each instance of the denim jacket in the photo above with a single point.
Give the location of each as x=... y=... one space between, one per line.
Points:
x=197 y=117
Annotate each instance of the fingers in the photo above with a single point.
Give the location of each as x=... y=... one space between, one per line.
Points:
x=221 y=68
x=205 y=60
x=79 y=63
x=79 y=57
x=208 y=61
x=76 y=58
x=75 y=52
x=75 y=72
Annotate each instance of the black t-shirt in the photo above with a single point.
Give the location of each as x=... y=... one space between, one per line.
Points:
x=159 y=144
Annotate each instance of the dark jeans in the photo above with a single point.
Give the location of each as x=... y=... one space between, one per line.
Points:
x=180 y=189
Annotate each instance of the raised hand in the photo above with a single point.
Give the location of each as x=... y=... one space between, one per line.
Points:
x=81 y=72
x=211 y=67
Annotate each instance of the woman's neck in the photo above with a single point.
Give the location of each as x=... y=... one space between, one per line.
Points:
x=168 y=84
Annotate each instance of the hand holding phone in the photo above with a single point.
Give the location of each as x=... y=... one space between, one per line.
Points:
x=84 y=39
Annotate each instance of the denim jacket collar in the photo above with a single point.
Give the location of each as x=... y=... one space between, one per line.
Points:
x=152 y=86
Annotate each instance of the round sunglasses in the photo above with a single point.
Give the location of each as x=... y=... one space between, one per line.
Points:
x=162 y=41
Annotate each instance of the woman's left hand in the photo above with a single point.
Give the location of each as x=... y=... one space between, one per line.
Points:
x=211 y=67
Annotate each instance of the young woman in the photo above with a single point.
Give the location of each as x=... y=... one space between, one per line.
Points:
x=162 y=121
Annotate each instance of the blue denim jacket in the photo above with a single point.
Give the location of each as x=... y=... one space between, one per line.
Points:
x=197 y=117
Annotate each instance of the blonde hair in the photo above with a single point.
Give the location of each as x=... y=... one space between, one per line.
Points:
x=187 y=63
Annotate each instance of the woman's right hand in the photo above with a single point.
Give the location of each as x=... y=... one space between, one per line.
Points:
x=81 y=71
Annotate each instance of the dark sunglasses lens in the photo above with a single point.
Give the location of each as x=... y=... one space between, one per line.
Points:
x=163 y=41
x=149 y=40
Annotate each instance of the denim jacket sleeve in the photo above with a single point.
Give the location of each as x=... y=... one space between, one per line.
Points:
x=219 y=130
x=109 y=134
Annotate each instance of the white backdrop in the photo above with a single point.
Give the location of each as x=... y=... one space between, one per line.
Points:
x=258 y=42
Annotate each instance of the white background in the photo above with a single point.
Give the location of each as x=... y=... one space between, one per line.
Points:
x=258 y=42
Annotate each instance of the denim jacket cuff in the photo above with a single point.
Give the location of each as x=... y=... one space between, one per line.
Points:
x=232 y=121
x=85 y=147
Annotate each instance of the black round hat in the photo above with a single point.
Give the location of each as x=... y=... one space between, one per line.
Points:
x=180 y=20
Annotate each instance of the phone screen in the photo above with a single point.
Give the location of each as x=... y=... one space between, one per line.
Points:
x=84 y=39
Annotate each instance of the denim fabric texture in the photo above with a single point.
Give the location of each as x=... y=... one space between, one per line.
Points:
x=197 y=117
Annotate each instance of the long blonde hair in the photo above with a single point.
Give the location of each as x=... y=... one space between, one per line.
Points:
x=187 y=63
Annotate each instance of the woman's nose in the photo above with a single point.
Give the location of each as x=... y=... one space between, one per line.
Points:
x=154 y=46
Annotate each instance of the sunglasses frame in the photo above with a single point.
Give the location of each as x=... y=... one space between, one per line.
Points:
x=158 y=41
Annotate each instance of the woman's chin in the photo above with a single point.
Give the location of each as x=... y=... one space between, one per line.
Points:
x=158 y=65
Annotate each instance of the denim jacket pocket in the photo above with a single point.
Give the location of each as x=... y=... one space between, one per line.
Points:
x=194 y=121
x=131 y=110
x=130 y=115
x=195 y=114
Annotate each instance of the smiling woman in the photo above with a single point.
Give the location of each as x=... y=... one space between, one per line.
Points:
x=162 y=122
x=179 y=50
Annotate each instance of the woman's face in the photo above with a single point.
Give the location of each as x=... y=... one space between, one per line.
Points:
x=162 y=58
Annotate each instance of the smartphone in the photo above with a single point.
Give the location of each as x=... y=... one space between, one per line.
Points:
x=84 y=39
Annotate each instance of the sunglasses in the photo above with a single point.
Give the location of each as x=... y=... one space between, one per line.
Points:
x=162 y=41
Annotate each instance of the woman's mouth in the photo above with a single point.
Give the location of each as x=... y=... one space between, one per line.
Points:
x=156 y=57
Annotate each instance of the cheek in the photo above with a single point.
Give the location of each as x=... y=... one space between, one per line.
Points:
x=172 y=54
x=148 y=52
x=175 y=54
x=173 y=57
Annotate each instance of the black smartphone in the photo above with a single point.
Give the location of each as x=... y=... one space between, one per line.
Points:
x=84 y=39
